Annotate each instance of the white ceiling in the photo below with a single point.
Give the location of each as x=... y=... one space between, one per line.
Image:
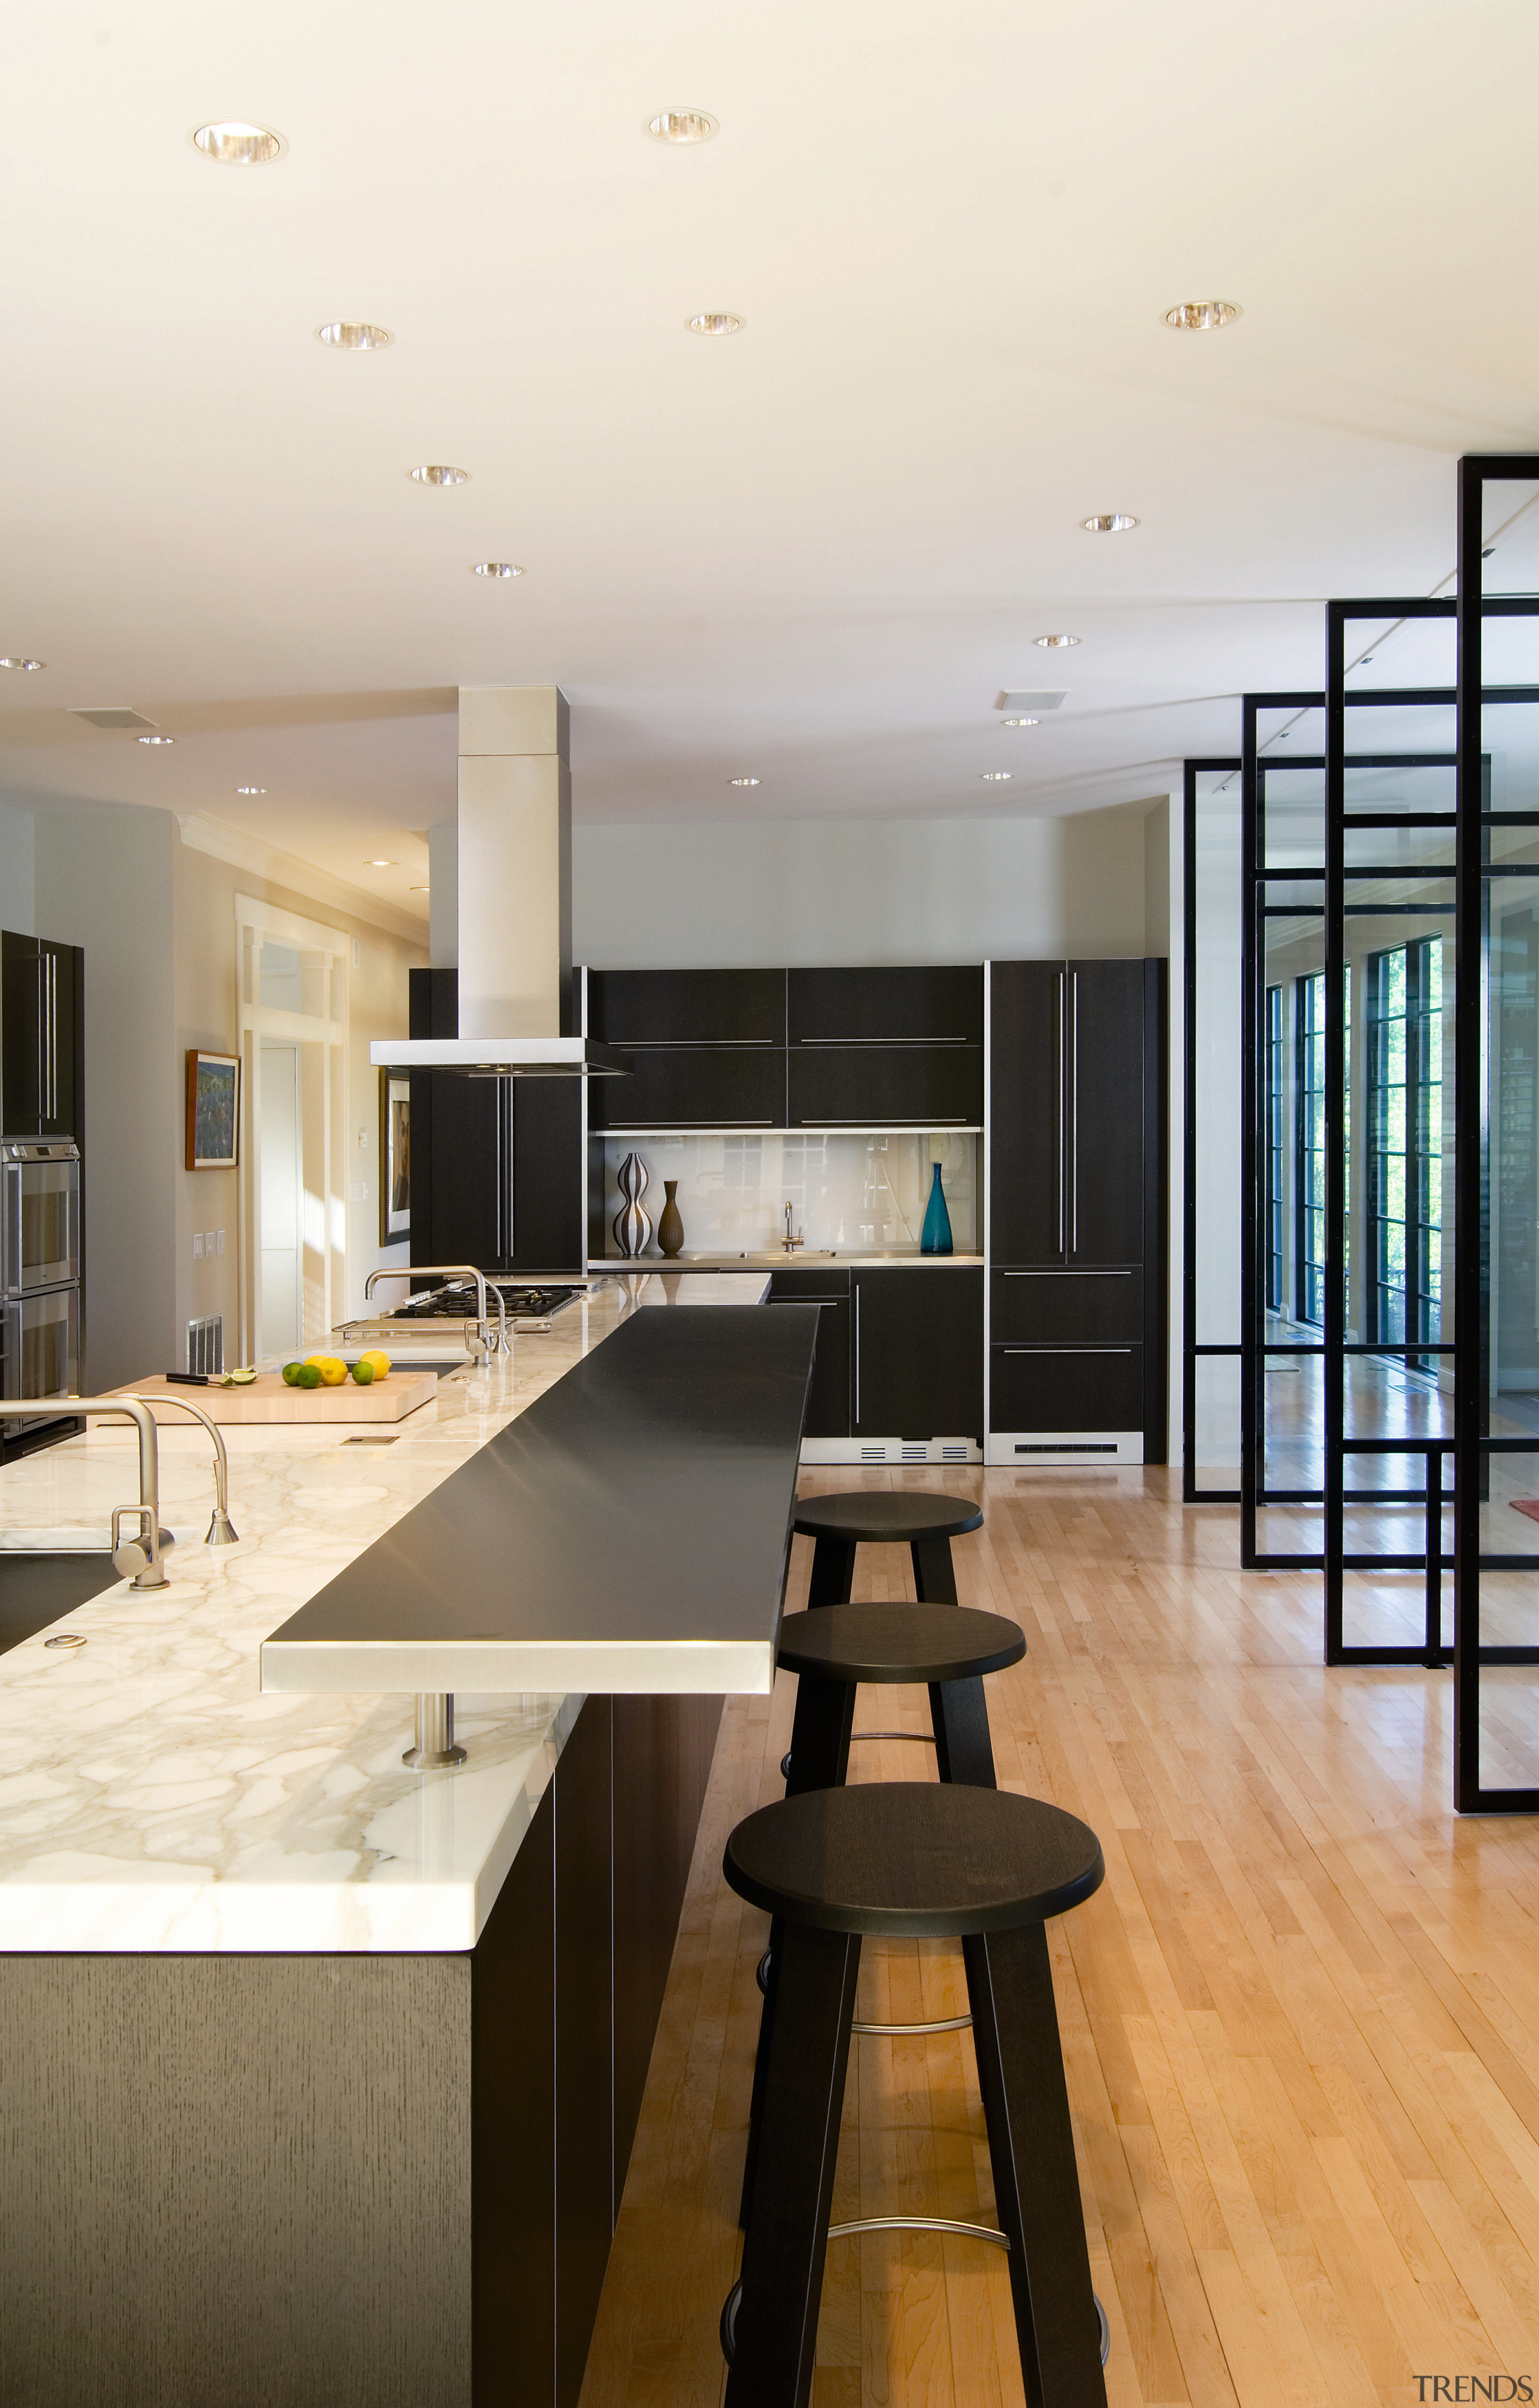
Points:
x=814 y=552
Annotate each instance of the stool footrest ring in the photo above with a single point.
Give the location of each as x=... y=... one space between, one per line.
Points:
x=730 y=2305
x=942 y=2023
x=920 y=2224
x=925 y=1738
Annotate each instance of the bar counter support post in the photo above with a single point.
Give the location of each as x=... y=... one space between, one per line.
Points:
x=435 y=1743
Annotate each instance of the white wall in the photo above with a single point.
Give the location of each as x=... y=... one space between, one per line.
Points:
x=17 y=871
x=857 y=892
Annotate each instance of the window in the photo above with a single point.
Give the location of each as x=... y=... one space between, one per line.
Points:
x=1404 y=1078
x=1310 y=1144
x=1274 y=1256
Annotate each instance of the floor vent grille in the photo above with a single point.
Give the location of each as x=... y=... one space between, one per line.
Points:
x=205 y=1343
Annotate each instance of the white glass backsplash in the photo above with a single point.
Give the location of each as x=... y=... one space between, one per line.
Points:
x=866 y=1194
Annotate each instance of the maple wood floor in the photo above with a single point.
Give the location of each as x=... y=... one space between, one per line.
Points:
x=1300 y=2018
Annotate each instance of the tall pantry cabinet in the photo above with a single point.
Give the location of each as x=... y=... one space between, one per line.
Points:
x=1077 y=1245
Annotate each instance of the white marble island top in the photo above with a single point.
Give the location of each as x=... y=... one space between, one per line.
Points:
x=152 y=1798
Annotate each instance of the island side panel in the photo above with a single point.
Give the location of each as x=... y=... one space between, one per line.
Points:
x=234 y=2178
x=662 y=1752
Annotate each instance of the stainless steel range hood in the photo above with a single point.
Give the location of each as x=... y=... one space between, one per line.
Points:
x=507 y=923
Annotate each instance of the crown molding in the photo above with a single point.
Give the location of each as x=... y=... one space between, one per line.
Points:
x=286 y=870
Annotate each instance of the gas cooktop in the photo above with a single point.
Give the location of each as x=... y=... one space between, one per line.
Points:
x=526 y=1307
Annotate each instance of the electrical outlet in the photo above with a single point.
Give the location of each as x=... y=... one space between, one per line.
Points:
x=219 y=1241
x=198 y=1245
x=360 y=1191
x=362 y=1140
x=209 y=1243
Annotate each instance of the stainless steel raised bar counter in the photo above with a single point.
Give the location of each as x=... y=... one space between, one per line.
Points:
x=628 y=1533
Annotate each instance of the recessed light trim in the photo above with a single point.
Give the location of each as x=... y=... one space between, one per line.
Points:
x=716 y=323
x=381 y=865
x=1054 y=643
x=250 y=789
x=996 y=777
x=1108 y=522
x=743 y=781
x=353 y=335
x=1020 y=723
x=1203 y=317
x=234 y=142
x=682 y=125
x=157 y=739
x=19 y=660
x=497 y=568
x=437 y=473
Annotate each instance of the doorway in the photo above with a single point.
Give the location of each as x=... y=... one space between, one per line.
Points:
x=281 y=1287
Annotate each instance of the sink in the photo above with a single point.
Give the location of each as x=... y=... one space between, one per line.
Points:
x=37 y=1589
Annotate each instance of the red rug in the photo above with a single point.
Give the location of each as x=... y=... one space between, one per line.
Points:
x=1529 y=1505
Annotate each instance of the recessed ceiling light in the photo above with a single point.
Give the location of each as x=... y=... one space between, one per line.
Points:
x=236 y=144
x=1202 y=317
x=681 y=125
x=381 y=865
x=994 y=777
x=744 y=781
x=250 y=789
x=353 y=335
x=498 y=568
x=1055 y=643
x=18 y=661
x=157 y=739
x=716 y=322
x=1020 y=723
x=1109 y=522
x=440 y=476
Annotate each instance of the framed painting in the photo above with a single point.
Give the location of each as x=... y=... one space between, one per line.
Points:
x=395 y=1158
x=213 y=1109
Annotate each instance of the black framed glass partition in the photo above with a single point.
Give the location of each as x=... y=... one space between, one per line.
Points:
x=1496 y=1215
x=1212 y=950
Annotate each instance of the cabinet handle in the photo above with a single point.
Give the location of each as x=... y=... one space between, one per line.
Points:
x=691 y=1044
x=1065 y=1350
x=1067 y=1274
x=675 y=1128
x=1074 y=1112
x=857 y=1353
x=883 y=1040
x=890 y=1120
x=1063 y=1040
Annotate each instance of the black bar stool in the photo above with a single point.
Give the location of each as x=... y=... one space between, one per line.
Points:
x=948 y=1646
x=886 y=1518
x=905 y=1860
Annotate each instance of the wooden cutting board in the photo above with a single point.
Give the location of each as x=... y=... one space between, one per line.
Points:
x=266 y=1399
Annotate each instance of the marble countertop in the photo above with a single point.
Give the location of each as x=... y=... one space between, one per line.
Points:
x=152 y=1797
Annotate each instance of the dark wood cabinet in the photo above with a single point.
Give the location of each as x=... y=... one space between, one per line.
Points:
x=1067 y=1388
x=885 y=1086
x=828 y=1400
x=917 y=1353
x=723 y=1086
x=687 y=1007
x=931 y=1006
x=497 y=1162
x=42 y=1038
x=585 y=1971
x=1077 y=1203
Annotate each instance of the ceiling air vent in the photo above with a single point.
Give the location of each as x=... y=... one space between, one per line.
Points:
x=118 y=716
x=1031 y=701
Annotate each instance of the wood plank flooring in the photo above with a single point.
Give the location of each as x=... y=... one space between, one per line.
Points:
x=1300 y=2018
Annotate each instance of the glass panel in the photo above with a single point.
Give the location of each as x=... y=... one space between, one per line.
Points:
x=1509 y=1510
x=1292 y=818
x=1400 y=653
x=1383 y=729
x=1216 y=1104
x=1293 y=1426
x=1513 y=1137
x=1510 y=530
x=1302 y=730
x=1294 y=1105
x=282 y=982
x=1509 y=738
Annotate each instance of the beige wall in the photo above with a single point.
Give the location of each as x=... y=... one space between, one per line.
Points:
x=157 y=921
x=741 y=892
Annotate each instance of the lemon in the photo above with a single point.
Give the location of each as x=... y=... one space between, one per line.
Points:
x=362 y=1371
x=333 y=1371
x=290 y=1374
x=379 y=1360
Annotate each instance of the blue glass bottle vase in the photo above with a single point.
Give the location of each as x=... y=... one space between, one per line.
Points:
x=935 y=1236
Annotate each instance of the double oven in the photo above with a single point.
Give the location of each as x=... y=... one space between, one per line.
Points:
x=40 y=1273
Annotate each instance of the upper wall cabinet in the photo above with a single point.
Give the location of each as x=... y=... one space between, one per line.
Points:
x=901 y=1006
x=42 y=1038
x=694 y=1086
x=687 y=1007
x=885 y=1086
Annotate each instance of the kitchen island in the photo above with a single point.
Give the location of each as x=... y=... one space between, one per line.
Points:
x=319 y=2077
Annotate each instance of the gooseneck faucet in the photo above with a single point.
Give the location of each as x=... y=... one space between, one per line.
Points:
x=787 y=1242
x=452 y=1270
x=222 y=1530
x=140 y=1557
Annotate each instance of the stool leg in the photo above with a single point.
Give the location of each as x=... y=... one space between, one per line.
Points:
x=1031 y=2149
x=760 y=2074
x=787 y=2237
x=959 y=1716
x=934 y=1573
x=833 y=1571
x=819 y=1735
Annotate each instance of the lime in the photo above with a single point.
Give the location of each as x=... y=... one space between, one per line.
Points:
x=307 y=1376
x=362 y=1371
x=290 y=1374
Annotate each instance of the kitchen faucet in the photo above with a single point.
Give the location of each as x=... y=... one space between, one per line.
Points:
x=458 y=1270
x=787 y=1242
x=142 y=1557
